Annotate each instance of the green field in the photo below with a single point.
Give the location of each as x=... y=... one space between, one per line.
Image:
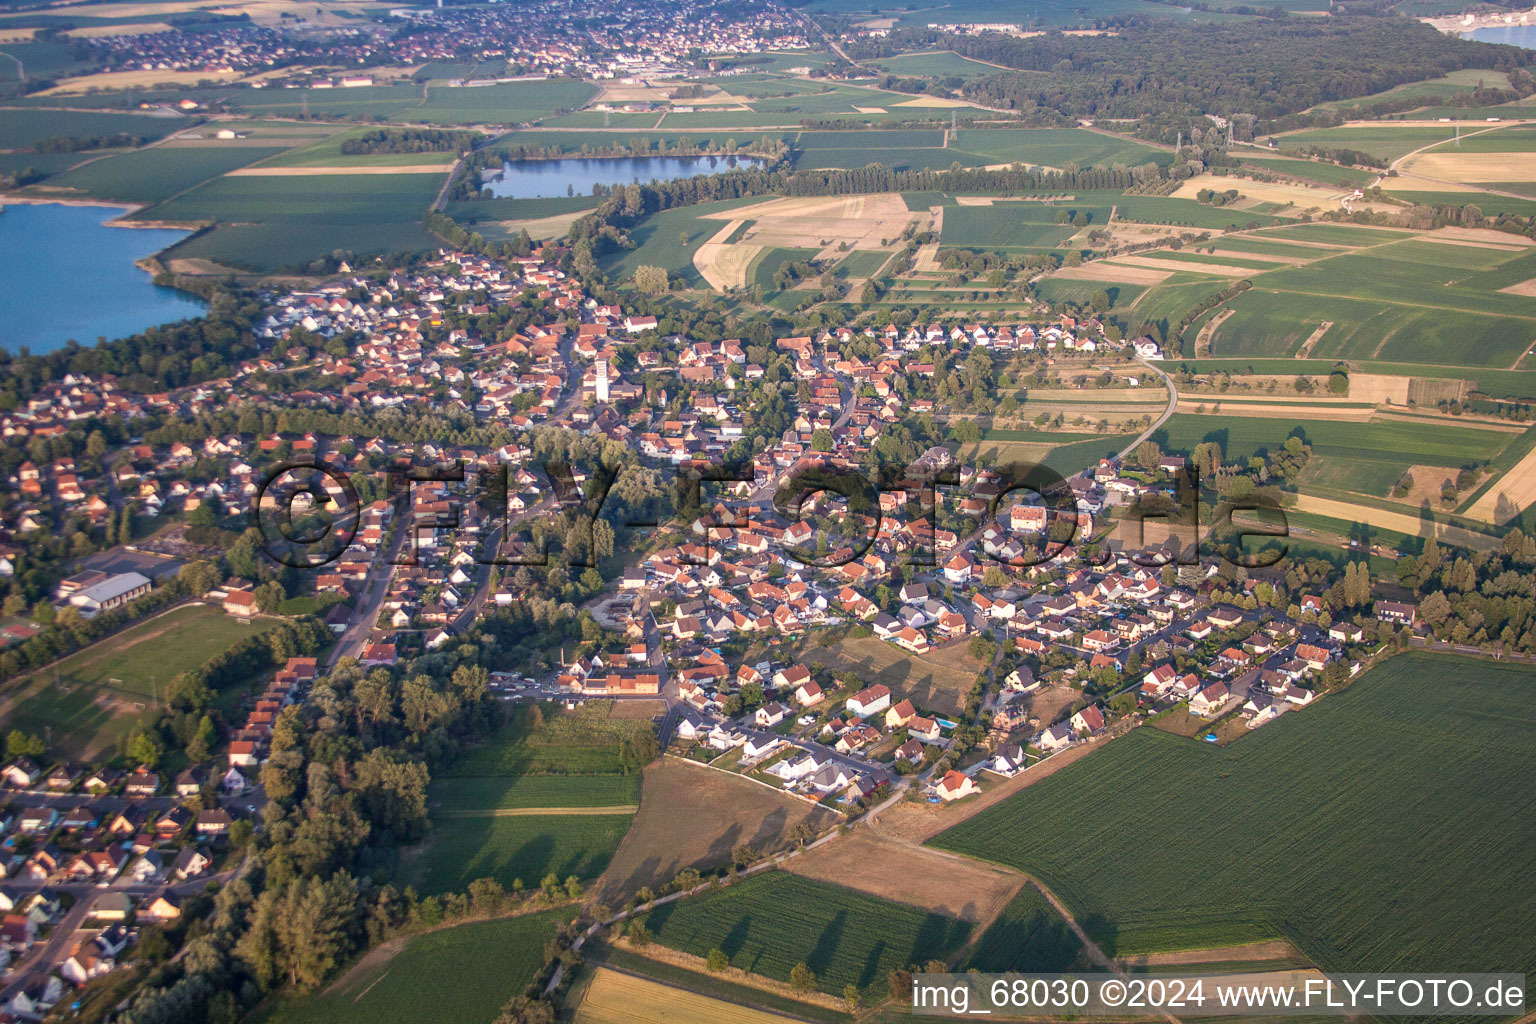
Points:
x=659 y=245
x=1044 y=14
x=1386 y=141
x=768 y=262
x=1029 y=935
x=1007 y=225
x=490 y=792
x=1431 y=90
x=1313 y=170
x=471 y=210
x=1064 y=290
x=1055 y=147
x=527 y=847
x=155 y=175
x=769 y=922
x=580 y=742
x=1490 y=204
x=863 y=263
x=1402 y=299
x=1383 y=830
x=1505 y=139
x=98 y=695
x=448 y=975
x=1385 y=441
x=503 y=103
x=272 y=223
x=21 y=129
x=934 y=64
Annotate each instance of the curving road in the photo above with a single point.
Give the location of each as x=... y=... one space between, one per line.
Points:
x=1173 y=401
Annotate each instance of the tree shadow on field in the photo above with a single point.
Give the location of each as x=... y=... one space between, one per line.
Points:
x=736 y=939
x=720 y=850
x=647 y=872
x=871 y=969
x=827 y=943
x=1102 y=931
x=770 y=829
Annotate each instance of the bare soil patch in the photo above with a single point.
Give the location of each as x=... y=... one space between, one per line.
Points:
x=1274 y=949
x=693 y=816
x=1116 y=273
x=1378 y=388
x=911 y=874
x=1194 y=267
x=1527 y=288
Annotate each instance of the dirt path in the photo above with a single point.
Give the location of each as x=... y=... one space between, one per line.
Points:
x=1313 y=339
x=1273 y=949
x=1203 y=339
x=533 y=812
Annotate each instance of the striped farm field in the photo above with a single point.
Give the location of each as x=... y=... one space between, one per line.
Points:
x=1383 y=829
x=768 y=923
x=614 y=998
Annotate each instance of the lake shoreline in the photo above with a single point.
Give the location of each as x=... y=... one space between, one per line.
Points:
x=129 y=209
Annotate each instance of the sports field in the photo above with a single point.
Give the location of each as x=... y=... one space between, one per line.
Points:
x=768 y=923
x=1381 y=830
x=98 y=695
x=442 y=975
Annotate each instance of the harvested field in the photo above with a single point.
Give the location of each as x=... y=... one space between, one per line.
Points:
x=136 y=80
x=798 y=222
x=933 y=101
x=1398 y=522
x=1475 y=167
x=1509 y=496
x=722 y=264
x=966 y=889
x=870 y=110
x=1527 y=288
x=311 y=172
x=541 y=228
x=1248 y=952
x=1304 y=197
x=16 y=35
x=693 y=816
x=1224 y=405
x=1216 y=269
x=1115 y=273
x=100 y=31
x=615 y=998
x=1378 y=388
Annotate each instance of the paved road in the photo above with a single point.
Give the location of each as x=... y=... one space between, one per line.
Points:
x=375 y=587
x=1173 y=401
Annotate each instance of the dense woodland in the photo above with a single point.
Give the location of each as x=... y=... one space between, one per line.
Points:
x=1269 y=68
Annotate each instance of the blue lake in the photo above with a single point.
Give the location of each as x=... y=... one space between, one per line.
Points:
x=65 y=274
x=544 y=179
x=1513 y=35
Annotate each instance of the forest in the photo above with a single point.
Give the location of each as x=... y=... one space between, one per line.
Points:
x=1269 y=68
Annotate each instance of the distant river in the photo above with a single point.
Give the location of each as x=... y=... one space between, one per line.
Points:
x=542 y=179
x=64 y=274
x=1514 y=35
